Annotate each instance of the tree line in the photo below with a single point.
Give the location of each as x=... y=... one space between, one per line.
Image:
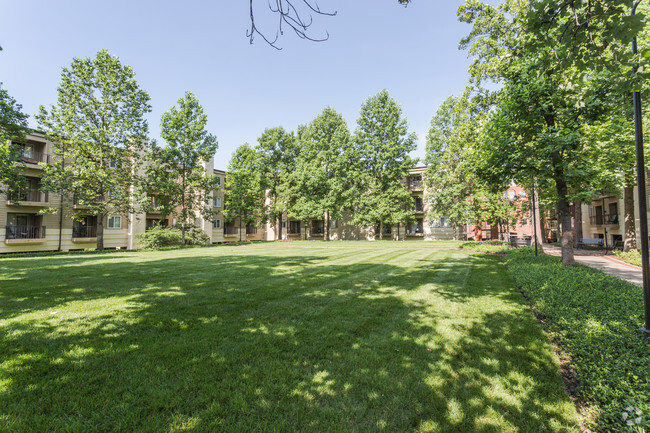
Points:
x=322 y=171
x=548 y=106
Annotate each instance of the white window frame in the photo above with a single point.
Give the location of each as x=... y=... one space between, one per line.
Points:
x=216 y=202
x=216 y=224
x=114 y=218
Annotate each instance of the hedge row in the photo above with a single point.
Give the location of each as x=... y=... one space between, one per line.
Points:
x=594 y=318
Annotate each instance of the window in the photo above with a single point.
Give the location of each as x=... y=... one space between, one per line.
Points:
x=114 y=222
x=115 y=194
x=218 y=179
x=217 y=202
x=284 y=224
x=333 y=224
x=522 y=194
x=294 y=227
x=216 y=224
x=524 y=221
x=113 y=164
x=511 y=195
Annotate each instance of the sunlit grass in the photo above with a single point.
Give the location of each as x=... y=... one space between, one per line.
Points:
x=283 y=337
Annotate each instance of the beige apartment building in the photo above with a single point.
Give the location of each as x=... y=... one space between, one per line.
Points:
x=27 y=228
x=604 y=218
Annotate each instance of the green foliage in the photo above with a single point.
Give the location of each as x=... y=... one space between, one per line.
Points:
x=278 y=152
x=246 y=188
x=321 y=185
x=177 y=175
x=594 y=318
x=13 y=126
x=196 y=236
x=382 y=145
x=491 y=246
x=454 y=155
x=98 y=131
x=632 y=257
x=158 y=237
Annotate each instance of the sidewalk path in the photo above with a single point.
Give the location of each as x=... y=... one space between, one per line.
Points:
x=607 y=264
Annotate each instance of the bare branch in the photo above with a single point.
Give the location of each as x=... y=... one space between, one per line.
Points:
x=296 y=14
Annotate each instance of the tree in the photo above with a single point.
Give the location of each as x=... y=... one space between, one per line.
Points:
x=321 y=184
x=455 y=188
x=278 y=152
x=13 y=127
x=382 y=146
x=245 y=188
x=177 y=173
x=99 y=135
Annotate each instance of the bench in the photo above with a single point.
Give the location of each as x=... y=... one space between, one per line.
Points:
x=518 y=242
x=591 y=241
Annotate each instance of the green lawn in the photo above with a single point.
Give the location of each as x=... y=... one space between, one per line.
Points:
x=281 y=337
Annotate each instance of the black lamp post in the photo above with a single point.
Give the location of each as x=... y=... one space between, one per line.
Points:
x=643 y=211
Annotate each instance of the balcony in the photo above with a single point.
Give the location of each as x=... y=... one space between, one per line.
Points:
x=28 y=198
x=30 y=157
x=80 y=233
x=230 y=231
x=24 y=234
x=604 y=220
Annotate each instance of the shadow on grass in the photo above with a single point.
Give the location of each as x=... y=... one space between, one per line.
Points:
x=242 y=343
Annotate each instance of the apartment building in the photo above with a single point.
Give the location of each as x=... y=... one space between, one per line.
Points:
x=27 y=228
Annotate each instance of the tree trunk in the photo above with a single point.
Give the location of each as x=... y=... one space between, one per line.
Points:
x=577 y=220
x=564 y=214
x=494 y=232
x=630 y=224
x=381 y=231
x=183 y=233
x=326 y=223
x=398 y=231
x=100 y=232
x=304 y=231
x=537 y=234
x=478 y=233
x=280 y=227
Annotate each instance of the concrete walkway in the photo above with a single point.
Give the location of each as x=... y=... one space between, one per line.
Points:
x=606 y=263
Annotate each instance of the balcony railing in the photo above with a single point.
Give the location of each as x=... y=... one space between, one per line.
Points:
x=229 y=230
x=25 y=232
x=84 y=232
x=31 y=195
x=604 y=219
x=34 y=157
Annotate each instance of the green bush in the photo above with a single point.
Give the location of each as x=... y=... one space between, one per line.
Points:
x=594 y=318
x=196 y=236
x=158 y=237
x=491 y=246
x=632 y=257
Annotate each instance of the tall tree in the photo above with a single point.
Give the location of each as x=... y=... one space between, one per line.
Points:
x=455 y=188
x=321 y=178
x=177 y=172
x=13 y=127
x=382 y=146
x=245 y=188
x=278 y=151
x=98 y=128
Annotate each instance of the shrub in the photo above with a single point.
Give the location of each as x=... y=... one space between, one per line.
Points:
x=594 y=318
x=633 y=256
x=158 y=237
x=196 y=236
x=491 y=246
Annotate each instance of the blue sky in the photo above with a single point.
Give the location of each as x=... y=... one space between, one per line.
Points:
x=202 y=46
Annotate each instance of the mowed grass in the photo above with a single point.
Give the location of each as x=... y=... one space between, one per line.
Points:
x=280 y=337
